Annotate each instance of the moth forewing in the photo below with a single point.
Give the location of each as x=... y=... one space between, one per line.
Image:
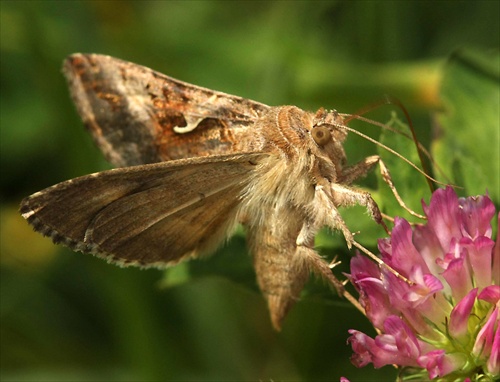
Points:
x=138 y=116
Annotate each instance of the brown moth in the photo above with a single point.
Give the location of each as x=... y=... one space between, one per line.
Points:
x=192 y=164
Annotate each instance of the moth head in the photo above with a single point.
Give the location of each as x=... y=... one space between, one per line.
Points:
x=327 y=127
x=321 y=135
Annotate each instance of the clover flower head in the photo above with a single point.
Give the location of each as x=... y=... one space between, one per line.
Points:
x=436 y=306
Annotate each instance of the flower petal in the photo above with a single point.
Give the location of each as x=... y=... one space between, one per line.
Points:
x=427 y=244
x=363 y=347
x=425 y=286
x=459 y=317
x=443 y=217
x=480 y=252
x=490 y=294
x=374 y=300
x=439 y=364
x=484 y=340
x=398 y=290
x=362 y=267
x=458 y=277
x=475 y=215
x=496 y=258
x=404 y=254
x=398 y=346
x=405 y=340
x=365 y=276
x=493 y=364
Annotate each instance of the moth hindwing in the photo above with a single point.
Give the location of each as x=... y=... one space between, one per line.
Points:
x=194 y=163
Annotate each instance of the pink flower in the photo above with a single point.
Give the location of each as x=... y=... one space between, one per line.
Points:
x=437 y=303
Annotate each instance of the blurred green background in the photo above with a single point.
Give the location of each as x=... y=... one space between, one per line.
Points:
x=67 y=316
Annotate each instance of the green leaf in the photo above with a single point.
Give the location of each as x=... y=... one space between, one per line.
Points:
x=468 y=147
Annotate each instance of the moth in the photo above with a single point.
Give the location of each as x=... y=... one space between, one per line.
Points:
x=192 y=164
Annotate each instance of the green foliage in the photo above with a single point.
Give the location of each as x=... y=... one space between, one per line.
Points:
x=410 y=184
x=467 y=144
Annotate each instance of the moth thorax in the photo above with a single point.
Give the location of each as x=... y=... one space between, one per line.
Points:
x=286 y=129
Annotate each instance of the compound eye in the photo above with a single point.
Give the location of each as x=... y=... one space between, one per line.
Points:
x=321 y=135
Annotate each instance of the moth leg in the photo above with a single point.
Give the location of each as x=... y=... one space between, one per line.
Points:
x=360 y=169
x=346 y=197
x=312 y=261
x=325 y=213
x=386 y=176
x=317 y=265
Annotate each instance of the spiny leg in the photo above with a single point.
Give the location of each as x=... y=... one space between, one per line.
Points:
x=325 y=213
x=317 y=265
x=346 y=197
x=360 y=169
x=386 y=176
